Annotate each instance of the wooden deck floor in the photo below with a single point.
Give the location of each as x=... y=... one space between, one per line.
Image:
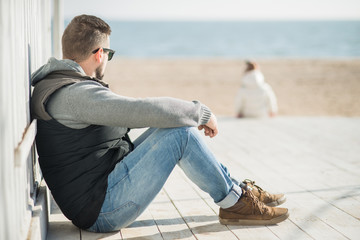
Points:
x=314 y=161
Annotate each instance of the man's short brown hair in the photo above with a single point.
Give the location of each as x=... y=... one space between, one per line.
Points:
x=83 y=34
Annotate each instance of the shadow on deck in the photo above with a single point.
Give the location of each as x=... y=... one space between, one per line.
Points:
x=314 y=161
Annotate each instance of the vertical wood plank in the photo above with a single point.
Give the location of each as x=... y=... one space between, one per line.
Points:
x=201 y=219
x=169 y=221
x=143 y=228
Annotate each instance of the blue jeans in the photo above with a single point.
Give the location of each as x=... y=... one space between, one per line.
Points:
x=139 y=177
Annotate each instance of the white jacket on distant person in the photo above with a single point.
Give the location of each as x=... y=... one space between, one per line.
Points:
x=255 y=98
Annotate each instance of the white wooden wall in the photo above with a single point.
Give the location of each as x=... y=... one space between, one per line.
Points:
x=25 y=45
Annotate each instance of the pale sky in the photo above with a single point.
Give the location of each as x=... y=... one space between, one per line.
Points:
x=215 y=9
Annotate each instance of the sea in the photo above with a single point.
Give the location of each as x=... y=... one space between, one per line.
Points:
x=236 y=39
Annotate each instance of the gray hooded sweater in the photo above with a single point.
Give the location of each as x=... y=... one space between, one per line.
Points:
x=88 y=102
x=82 y=133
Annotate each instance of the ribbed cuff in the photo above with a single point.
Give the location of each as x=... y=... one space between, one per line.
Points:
x=205 y=116
x=231 y=198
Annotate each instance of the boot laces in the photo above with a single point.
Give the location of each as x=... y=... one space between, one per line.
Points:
x=253 y=183
x=256 y=203
x=248 y=181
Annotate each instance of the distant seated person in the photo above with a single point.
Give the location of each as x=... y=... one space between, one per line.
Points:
x=255 y=98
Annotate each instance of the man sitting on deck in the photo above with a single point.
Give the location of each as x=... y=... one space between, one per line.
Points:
x=101 y=180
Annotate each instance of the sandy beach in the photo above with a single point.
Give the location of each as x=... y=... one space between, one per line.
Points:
x=304 y=87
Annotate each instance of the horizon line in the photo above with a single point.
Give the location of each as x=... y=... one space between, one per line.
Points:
x=220 y=20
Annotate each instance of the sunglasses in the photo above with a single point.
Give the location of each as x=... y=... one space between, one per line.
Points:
x=110 y=52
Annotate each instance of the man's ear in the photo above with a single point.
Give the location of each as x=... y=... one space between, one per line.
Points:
x=99 y=55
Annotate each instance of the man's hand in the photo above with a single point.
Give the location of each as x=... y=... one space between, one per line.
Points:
x=210 y=128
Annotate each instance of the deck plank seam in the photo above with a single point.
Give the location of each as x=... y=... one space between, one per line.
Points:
x=172 y=202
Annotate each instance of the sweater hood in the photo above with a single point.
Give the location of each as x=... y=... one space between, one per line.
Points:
x=54 y=65
x=253 y=79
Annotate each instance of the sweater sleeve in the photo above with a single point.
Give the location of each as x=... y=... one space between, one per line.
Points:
x=88 y=102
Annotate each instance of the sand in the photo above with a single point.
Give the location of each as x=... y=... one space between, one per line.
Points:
x=304 y=87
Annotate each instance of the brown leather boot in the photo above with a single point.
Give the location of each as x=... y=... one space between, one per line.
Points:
x=271 y=200
x=250 y=211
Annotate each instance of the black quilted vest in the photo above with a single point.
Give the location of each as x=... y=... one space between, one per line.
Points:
x=75 y=162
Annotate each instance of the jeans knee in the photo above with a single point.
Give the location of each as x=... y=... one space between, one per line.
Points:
x=193 y=132
x=190 y=133
x=185 y=131
x=181 y=135
x=175 y=138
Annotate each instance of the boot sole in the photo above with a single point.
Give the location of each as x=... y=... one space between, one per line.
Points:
x=247 y=222
x=277 y=202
